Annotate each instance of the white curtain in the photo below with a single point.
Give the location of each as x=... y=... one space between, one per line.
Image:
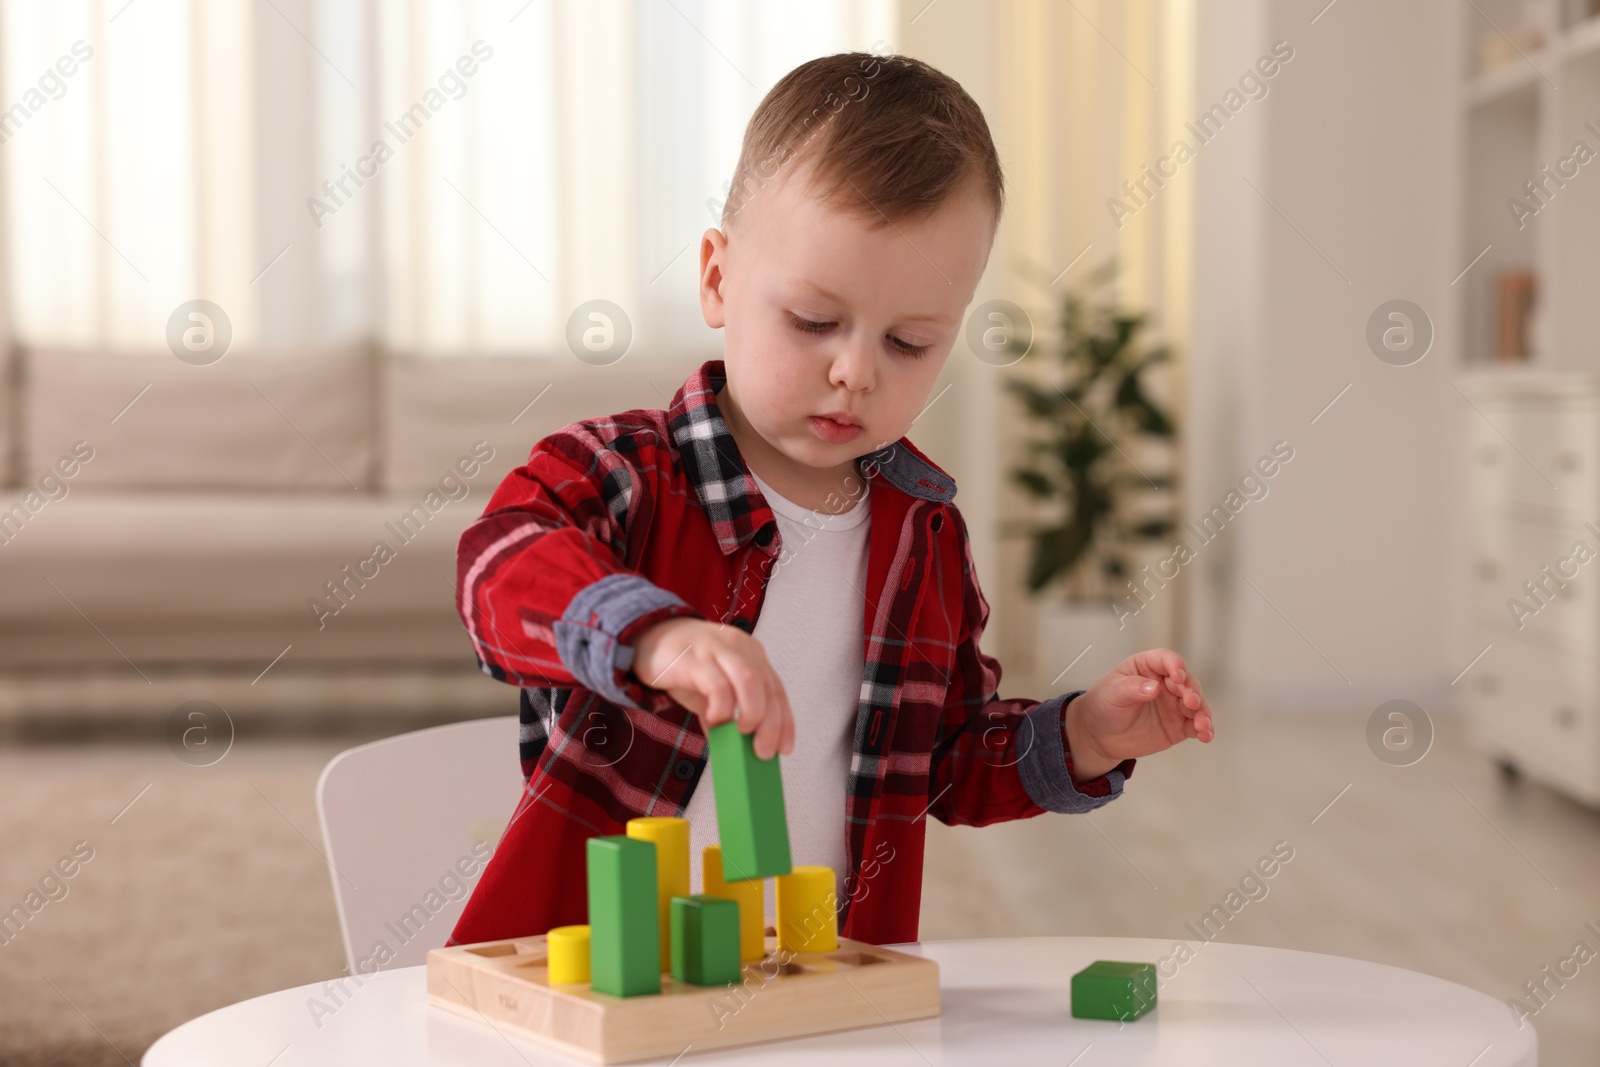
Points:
x=126 y=166
x=535 y=154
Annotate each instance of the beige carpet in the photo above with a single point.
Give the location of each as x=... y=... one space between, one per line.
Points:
x=207 y=890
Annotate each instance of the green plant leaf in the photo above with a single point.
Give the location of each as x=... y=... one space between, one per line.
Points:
x=1126 y=327
x=1135 y=480
x=1103 y=273
x=1146 y=416
x=1155 y=355
x=1153 y=528
x=1056 y=551
x=1081 y=450
x=1102 y=352
x=1034 y=482
x=1039 y=402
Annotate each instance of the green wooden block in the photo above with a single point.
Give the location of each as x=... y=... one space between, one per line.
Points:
x=1107 y=989
x=750 y=819
x=705 y=940
x=624 y=923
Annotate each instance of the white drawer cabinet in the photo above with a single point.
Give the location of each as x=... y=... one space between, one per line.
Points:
x=1510 y=550
x=1533 y=461
x=1535 y=708
x=1539 y=450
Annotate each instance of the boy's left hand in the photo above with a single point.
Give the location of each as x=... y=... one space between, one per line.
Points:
x=1147 y=703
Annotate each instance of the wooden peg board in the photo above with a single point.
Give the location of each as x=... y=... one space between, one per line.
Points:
x=506 y=984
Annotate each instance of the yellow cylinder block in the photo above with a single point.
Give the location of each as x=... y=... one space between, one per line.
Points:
x=749 y=895
x=808 y=917
x=569 y=954
x=671 y=838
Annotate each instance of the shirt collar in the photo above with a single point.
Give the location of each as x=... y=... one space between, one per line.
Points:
x=723 y=483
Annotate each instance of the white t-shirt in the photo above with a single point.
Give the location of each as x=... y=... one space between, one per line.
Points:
x=811 y=629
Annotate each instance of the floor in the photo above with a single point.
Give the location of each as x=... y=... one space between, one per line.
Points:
x=206 y=886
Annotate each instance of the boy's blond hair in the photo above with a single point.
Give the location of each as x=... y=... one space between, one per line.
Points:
x=886 y=137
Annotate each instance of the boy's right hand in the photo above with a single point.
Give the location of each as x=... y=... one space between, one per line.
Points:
x=711 y=668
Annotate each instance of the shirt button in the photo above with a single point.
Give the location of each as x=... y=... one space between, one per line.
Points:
x=764 y=535
x=743 y=623
x=684 y=769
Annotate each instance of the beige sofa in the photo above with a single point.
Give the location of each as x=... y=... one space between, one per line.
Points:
x=169 y=528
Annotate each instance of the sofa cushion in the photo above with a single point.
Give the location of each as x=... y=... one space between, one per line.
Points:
x=163 y=577
x=435 y=408
x=292 y=419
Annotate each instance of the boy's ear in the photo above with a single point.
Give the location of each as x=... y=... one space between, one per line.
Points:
x=713 y=255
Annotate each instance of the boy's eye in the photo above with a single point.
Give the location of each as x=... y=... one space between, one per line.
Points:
x=810 y=326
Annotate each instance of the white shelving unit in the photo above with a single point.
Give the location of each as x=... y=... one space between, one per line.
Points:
x=1534 y=698
x=1533 y=440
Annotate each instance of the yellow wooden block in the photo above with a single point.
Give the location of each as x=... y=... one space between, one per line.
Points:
x=808 y=916
x=569 y=954
x=671 y=838
x=750 y=895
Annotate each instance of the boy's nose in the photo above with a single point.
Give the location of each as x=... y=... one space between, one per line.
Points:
x=854 y=367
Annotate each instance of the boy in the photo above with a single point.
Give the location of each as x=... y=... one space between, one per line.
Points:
x=771 y=549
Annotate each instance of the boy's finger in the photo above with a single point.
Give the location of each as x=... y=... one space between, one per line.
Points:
x=788 y=724
x=751 y=692
x=780 y=712
x=719 y=695
x=1133 y=690
x=767 y=736
x=1174 y=663
x=1161 y=661
x=769 y=707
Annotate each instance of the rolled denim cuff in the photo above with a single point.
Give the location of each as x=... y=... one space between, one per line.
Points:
x=586 y=634
x=1044 y=765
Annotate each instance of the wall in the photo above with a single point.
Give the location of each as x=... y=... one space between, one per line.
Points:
x=1332 y=591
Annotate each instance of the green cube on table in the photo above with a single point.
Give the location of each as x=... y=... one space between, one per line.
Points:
x=750 y=816
x=1107 y=989
x=624 y=920
x=705 y=940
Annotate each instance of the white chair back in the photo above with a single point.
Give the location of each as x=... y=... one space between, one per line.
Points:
x=403 y=819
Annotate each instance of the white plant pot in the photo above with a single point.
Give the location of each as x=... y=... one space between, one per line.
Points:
x=1085 y=635
x=1091 y=637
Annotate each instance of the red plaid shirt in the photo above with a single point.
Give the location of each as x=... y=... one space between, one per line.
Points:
x=617 y=523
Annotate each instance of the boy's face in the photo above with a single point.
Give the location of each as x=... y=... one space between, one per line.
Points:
x=888 y=304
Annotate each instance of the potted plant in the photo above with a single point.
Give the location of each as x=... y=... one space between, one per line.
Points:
x=1100 y=469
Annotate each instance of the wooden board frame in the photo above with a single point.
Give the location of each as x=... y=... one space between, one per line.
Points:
x=506 y=985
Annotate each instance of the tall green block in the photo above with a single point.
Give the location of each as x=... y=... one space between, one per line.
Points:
x=624 y=923
x=1107 y=989
x=705 y=940
x=751 y=823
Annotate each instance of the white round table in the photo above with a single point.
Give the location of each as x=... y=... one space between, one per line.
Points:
x=1004 y=1001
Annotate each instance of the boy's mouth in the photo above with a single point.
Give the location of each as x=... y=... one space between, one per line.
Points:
x=836 y=428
